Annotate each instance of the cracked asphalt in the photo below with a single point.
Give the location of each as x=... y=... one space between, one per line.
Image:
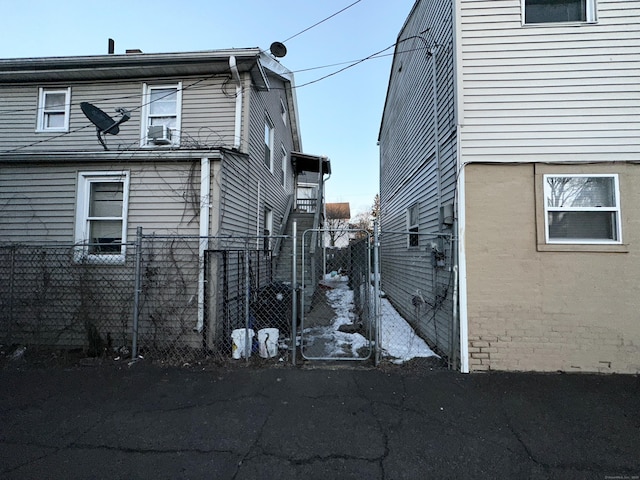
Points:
x=291 y=423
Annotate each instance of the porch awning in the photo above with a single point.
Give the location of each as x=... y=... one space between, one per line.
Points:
x=310 y=163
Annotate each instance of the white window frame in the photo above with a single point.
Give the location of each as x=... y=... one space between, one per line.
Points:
x=577 y=241
x=591 y=15
x=269 y=140
x=85 y=180
x=43 y=113
x=283 y=111
x=146 y=112
x=268 y=226
x=413 y=228
x=284 y=167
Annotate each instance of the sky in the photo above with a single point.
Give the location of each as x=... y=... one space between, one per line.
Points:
x=339 y=116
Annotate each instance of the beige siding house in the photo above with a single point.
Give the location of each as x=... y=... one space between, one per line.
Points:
x=547 y=124
x=207 y=149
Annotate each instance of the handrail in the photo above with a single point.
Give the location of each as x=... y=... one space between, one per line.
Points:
x=277 y=244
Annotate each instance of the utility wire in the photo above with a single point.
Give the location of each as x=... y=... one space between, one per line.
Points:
x=322 y=21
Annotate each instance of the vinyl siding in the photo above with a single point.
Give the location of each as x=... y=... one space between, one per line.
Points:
x=207 y=115
x=409 y=171
x=39 y=201
x=248 y=186
x=549 y=93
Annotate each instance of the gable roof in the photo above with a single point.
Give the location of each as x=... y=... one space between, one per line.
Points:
x=153 y=65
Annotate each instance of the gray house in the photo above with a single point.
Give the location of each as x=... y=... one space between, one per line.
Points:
x=513 y=126
x=202 y=144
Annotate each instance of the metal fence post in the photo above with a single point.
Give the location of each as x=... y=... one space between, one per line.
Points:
x=247 y=297
x=138 y=291
x=12 y=267
x=294 y=296
x=376 y=290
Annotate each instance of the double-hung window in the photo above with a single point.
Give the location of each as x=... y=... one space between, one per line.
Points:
x=53 y=109
x=268 y=143
x=101 y=215
x=559 y=11
x=161 y=114
x=413 y=225
x=582 y=209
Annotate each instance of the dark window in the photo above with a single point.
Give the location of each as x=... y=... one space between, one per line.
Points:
x=555 y=11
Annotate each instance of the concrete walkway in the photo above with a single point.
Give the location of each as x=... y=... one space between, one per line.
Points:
x=143 y=422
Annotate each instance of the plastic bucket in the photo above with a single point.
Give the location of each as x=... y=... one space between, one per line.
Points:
x=241 y=345
x=268 y=342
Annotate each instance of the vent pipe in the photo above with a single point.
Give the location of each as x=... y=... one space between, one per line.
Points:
x=112 y=46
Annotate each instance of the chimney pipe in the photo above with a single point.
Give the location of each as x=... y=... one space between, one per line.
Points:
x=112 y=46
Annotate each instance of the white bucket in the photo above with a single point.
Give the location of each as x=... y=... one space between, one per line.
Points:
x=268 y=342
x=241 y=345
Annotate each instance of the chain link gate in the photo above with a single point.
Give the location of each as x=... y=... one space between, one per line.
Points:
x=337 y=319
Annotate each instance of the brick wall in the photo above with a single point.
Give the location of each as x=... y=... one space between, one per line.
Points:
x=547 y=310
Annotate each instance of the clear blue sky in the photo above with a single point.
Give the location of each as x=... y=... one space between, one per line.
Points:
x=339 y=116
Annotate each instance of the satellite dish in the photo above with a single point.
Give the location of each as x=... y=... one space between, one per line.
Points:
x=103 y=122
x=278 y=49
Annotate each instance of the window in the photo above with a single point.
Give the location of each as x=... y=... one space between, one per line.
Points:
x=53 y=109
x=268 y=143
x=283 y=178
x=162 y=106
x=283 y=111
x=101 y=215
x=558 y=11
x=582 y=209
x=412 y=225
x=267 y=228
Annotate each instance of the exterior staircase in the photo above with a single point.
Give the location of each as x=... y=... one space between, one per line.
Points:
x=284 y=263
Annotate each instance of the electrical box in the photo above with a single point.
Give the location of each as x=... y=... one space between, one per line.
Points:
x=446 y=214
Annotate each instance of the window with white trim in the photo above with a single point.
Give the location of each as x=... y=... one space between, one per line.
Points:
x=283 y=178
x=53 y=109
x=268 y=143
x=101 y=215
x=558 y=11
x=161 y=114
x=283 y=111
x=413 y=225
x=582 y=209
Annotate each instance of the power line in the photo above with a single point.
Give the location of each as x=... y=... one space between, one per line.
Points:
x=322 y=21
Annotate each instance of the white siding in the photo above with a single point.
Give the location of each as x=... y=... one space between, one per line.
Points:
x=549 y=93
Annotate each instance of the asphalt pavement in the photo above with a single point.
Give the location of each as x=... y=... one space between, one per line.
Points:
x=147 y=422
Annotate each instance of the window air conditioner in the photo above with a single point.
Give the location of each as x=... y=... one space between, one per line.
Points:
x=159 y=134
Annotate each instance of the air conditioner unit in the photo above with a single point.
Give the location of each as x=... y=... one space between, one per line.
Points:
x=159 y=134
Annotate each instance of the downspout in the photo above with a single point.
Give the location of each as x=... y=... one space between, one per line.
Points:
x=436 y=127
x=237 y=136
x=462 y=272
x=205 y=209
x=459 y=228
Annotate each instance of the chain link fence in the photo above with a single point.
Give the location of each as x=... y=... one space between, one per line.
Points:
x=56 y=296
x=337 y=320
x=183 y=300
x=217 y=299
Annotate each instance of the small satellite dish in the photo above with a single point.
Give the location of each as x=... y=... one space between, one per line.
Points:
x=278 y=49
x=103 y=122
